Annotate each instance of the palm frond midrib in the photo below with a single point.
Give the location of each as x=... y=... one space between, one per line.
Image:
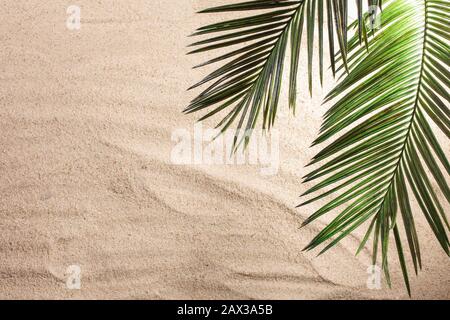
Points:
x=413 y=115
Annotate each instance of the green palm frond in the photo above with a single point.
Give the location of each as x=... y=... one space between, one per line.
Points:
x=388 y=99
x=249 y=83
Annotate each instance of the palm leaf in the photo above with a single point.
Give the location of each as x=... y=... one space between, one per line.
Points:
x=390 y=94
x=249 y=83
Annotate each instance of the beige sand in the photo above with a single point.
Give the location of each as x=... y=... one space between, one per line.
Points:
x=86 y=119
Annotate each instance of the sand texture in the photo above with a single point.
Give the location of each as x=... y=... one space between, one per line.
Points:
x=86 y=178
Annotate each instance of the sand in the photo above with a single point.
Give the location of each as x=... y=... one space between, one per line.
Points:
x=86 y=177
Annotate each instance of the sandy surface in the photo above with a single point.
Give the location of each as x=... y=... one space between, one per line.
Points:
x=86 y=119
